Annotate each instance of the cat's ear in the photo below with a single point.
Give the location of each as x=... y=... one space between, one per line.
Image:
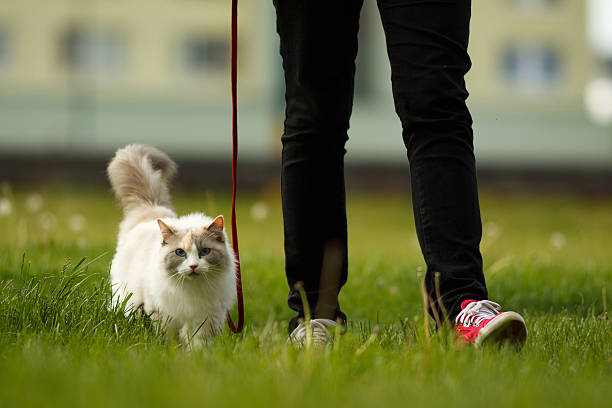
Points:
x=216 y=225
x=165 y=230
x=216 y=228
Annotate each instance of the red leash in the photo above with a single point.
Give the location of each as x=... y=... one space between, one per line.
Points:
x=234 y=328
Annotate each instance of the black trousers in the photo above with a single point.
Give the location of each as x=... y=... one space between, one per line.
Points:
x=427 y=47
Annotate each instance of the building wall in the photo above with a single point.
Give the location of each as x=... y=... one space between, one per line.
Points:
x=147 y=34
x=554 y=26
x=142 y=83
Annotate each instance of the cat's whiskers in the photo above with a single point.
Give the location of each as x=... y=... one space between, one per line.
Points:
x=208 y=281
x=178 y=278
x=183 y=278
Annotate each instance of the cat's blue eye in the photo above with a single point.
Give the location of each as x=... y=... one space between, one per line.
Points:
x=204 y=251
x=180 y=252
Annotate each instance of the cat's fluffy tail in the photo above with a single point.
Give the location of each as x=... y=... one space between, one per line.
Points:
x=140 y=176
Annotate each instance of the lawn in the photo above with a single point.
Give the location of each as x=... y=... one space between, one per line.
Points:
x=549 y=258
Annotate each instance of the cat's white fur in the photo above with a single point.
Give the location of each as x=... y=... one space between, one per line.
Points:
x=189 y=294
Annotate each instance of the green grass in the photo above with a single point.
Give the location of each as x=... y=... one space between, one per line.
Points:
x=549 y=258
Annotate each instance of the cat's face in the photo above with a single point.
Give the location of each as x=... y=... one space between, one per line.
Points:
x=195 y=252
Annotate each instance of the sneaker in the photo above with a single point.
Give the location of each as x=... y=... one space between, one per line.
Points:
x=320 y=332
x=482 y=322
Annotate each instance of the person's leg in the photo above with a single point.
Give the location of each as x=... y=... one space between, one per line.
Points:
x=427 y=44
x=318 y=44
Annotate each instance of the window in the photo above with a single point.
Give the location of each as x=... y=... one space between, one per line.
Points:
x=92 y=51
x=531 y=67
x=203 y=54
x=599 y=29
x=534 y=5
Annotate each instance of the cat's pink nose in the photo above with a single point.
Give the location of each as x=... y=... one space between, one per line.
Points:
x=193 y=267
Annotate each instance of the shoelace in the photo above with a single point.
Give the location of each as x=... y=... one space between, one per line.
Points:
x=319 y=327
x=476 y=312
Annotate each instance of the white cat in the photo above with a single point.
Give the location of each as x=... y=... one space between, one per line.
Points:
x=180 y=270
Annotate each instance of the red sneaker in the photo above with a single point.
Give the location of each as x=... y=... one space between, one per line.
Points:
x=482 y=322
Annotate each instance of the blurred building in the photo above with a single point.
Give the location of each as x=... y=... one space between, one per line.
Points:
x=85 y=77
x=531 y=65
x=88 y=76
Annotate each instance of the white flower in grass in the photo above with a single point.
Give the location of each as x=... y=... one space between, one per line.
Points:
x=82 y=243
x=259 y=211
x=491 y=229
x=47 y=220
x=77 y=222
x=34 y=202
x=557 y=240
x=6 y=207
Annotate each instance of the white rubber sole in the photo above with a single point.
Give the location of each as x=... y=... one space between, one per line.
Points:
x=507 y=327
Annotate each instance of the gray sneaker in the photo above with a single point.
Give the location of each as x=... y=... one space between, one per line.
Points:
x=319 y=334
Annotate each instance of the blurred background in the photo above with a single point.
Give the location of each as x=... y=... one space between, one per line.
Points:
x=78 y=79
